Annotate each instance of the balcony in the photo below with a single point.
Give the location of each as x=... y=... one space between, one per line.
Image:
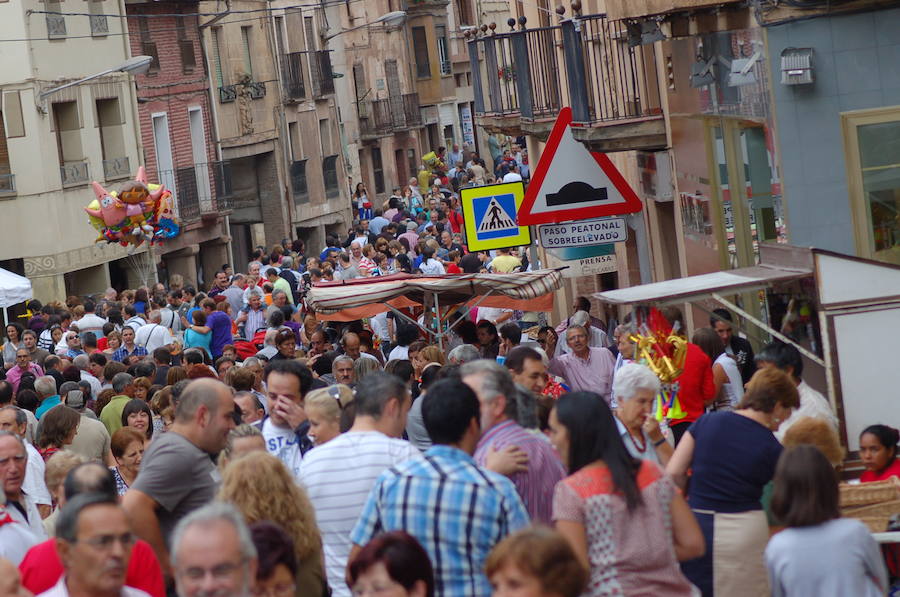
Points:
x=74 y=173
x=630 y=9
x=587 y=64
x=293 y=65
x=7 y=184
x=201 y=191
x=321 y=75
x=384 y=117
x=116 y=168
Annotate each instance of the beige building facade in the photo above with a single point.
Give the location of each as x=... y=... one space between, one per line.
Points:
x=52 y=149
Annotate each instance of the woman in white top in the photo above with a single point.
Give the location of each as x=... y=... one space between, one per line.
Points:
x=431 y=266
x=819 y=554
x=726 y=375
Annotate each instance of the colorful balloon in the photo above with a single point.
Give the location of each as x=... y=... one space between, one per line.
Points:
x=137 y=212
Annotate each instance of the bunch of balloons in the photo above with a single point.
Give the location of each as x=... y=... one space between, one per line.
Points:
x=661 y=348
x=137 y=212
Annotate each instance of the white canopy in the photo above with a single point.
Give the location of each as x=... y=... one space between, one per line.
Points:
x=14 y=289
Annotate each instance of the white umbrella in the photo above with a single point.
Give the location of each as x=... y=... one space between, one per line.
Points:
x=14 y=289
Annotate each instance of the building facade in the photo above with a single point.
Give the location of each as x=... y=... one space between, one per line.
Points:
x=53 y=147
x=177 y=130
x=311 y=137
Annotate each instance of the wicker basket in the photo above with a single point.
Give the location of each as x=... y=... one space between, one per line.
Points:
x=876 y=516
x=865 y=494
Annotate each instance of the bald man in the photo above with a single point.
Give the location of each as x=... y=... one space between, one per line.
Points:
x=177 y=474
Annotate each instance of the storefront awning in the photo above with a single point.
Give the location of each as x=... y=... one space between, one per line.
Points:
x=693 y=288
x=364 y=297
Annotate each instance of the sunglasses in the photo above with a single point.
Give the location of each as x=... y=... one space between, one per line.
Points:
x=335 y=392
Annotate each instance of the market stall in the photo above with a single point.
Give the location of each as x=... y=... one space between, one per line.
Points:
x=858 y=306
x=347 y=300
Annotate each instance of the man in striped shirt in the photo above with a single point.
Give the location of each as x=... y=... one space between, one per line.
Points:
x=339 y=474
x=456 y=509
x=499 y=413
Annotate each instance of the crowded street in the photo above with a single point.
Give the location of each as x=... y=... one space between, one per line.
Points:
x=449 y=298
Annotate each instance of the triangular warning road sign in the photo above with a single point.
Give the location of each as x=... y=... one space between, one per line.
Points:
x=496 y=218
x=572 y=183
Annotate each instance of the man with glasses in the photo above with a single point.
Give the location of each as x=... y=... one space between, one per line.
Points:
x=42 y=567
x=19 y=507
x=213 y=553
x=23 y=365
x=94 y=542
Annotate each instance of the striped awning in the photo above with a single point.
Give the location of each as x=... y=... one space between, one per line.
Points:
x=363 y=297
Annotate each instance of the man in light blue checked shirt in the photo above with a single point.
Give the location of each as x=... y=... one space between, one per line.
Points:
x=457 y=510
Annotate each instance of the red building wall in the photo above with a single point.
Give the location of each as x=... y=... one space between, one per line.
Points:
x=170 y=89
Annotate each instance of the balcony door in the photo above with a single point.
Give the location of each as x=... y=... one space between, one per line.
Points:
x=198 y=152
x=165 y=167
x=392 y=74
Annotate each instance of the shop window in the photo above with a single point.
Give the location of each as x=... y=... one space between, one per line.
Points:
x=872 y=144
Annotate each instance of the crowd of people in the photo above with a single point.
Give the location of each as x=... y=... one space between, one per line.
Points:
x=166 y=441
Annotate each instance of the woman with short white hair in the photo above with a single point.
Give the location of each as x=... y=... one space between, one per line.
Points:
x=634 y=389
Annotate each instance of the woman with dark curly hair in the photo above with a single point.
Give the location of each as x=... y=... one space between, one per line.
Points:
x=58 y=428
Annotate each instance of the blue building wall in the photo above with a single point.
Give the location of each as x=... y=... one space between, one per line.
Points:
x=857 y=67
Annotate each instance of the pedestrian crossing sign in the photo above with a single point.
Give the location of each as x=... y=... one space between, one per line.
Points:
x=490 y=214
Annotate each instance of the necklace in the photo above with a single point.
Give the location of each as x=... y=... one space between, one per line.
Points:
x=643 y=445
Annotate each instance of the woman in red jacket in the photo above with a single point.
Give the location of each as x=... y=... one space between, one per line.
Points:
x=696 y=388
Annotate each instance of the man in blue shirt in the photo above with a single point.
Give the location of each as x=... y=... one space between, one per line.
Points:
x=46 y=390
x=457 y=510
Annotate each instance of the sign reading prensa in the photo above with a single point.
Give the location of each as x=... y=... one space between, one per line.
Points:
x=583 y=233
x=490 y=215
x=572 y=183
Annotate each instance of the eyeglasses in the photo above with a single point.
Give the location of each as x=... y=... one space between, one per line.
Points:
x=105 y=542
x=220 y=572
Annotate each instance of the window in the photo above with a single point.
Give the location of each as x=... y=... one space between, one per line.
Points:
x=420 y=50
x=12 y=114
x=329 y=173
x=112 y=140
x=872 y=142
x=185 y=46
x=148 y=46
x=56 y=23
x=298 y=181
x=325 y=136
x=99 y=26
x=294 y=139
x=464 y=12
x=245 y=42
x=217 y=56
x=377 y=170
x=7 y=180
x=413 y=162
x=67 y=126
x=443 y=50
